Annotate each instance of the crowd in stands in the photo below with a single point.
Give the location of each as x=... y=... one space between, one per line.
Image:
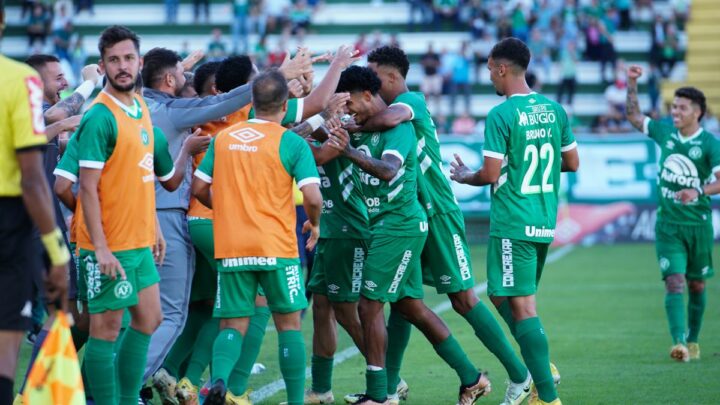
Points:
x=559 y=33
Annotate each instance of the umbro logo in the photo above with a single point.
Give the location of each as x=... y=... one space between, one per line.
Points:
x=247 y=135
x=445 y=279
x=333 y=288
x=370 y=285
x=147 y=162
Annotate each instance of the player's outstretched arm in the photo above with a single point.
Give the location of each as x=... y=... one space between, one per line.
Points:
x=312 y=203
x=384 y=169
x=72 y=105
x=393 y=116
x=64 y=125
x=632 y=105
x=319 y=98
x=488 y=173
x=689 y=195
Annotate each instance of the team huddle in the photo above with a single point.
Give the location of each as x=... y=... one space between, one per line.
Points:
x=159 y=183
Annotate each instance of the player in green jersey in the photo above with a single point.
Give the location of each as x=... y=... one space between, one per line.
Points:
x=528 y=142
x=445 y=257
x=689 y=172
x=398 y=227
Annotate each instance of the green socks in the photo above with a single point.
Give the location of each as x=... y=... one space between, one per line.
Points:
x=506 y=313
x=534 y=347
x=291 y=350
x=185 y=343
x=450 y=351
x=488 y=330
x=675 y=309
x=398 y=336
x=252 y=342
x=202 y=350
x=226 y=351
x=131 y=359
x=322 y=368
x=696 y=308
x=101 y=371
x=376 y=384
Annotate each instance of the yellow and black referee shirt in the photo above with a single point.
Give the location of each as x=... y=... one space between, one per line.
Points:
x=22 y=125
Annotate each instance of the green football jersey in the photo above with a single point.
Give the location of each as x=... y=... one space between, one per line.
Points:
x=393 y=207
x=685 y=162
x=528 y=132
x=435 y=195
x=343 y=213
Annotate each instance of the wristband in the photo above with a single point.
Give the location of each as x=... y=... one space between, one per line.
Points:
x=86 y=89
x=55 y=247
x=315 y=121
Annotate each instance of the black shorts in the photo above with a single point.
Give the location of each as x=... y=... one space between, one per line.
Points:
x=20 y=254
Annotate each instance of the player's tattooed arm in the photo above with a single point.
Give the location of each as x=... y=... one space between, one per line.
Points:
x=384 y=169
x=632 y=105
x=305 y=128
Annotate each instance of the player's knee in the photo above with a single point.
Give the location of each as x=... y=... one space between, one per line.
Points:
x=675 y=283
x=463 y=301
x=696 y=286
x=321 y=305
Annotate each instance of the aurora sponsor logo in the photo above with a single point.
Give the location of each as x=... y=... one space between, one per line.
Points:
x=679 y=169
x=535 y=232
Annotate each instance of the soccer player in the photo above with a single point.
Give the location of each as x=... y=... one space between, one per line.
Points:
x=689 y=157
x=25 y=203
x=262 y=156
x=528 y=141
x=445 y=257
x=118 y=165
x=398 y=228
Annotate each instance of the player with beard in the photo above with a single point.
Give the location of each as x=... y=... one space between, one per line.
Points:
x=117 y=228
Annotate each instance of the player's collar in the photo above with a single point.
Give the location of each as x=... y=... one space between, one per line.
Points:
x=258 y=121
x=686 y=139
x=133 y=111
x=522 y=95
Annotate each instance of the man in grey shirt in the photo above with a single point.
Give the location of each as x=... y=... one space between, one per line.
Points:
x=163 y=77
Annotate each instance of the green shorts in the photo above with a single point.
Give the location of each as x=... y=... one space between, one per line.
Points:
x=446 y=256
x=81 y=281
x=204 y=283
x=104 y=294
x=338 y=268
x=514 y=266
x=392 y=268
x=685 y=249
x=284 y=288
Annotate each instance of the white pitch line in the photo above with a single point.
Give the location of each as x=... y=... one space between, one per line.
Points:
x=276 y=386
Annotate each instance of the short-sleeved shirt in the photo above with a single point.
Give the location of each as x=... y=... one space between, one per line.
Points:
x=528 y=132
x=21 y=120
x=119 y=140
x=251 y=167
x=393 y=206
x=685 y=162
x=436 y=195
x=344 y=215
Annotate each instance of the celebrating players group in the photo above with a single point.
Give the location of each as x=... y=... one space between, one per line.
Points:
x=177 y=271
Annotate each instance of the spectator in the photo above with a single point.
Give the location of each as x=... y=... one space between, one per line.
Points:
x=422 y=9
x=654 y=88
x=568 y=73
x=463 y=125
x=481 y=50
x=81 y=5
x=623 y=7
x=445 y=10
x=519 y=23
x=184 y=50
x=217 y=50
x=669 y=52
x=394 y=41
x=79 y=57
x=681 y=10
x=432 y=81
x=300 y=15
x=504 y=29
x=26 y=6
x=441 y=124
x=361 y=45
x=61 y=39
x=460 y=78
x=258 y=17
x=615 y=96
x=260 y=53
x=62 y=15
x=241 y=9
x=377 y=40
x=199 y=5
x=540 y=52
x=37 y=28
x=277 y=12
x=171 y=11
x=276 y=57
x=607 y=47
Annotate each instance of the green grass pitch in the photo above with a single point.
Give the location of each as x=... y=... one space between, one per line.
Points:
x=602 y=308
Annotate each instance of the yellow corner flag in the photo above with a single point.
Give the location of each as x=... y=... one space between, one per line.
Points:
x=55 y=377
